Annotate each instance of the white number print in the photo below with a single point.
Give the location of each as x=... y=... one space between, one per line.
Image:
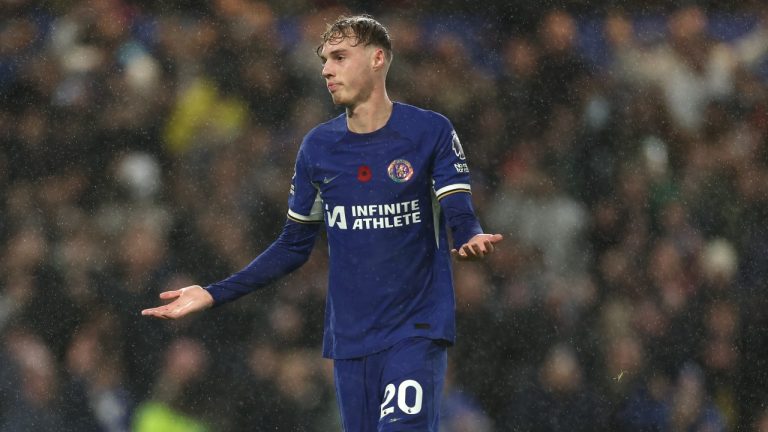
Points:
x=402 y=390
x=389 y=393
x=402 y=394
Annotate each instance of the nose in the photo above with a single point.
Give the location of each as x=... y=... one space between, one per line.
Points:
x=326 y=72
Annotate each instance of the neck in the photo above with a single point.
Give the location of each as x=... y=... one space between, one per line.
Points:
x=370 y=115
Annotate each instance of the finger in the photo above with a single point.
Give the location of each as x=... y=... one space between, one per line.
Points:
x=148 y=311
x=170 y=294
x=488 y=246
x=156 y=312
x=458 y=255
x=466 y=250
x=477 y=249
x=495 y=238
x=166 y=314
x=484 y=247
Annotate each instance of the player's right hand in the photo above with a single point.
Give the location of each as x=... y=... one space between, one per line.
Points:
x=185 y=301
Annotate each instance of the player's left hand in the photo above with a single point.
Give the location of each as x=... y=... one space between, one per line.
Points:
x=477 y=247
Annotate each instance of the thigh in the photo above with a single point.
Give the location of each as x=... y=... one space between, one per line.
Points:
x=411 y=383
x=356 y=382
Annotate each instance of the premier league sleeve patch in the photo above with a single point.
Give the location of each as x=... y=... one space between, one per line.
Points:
x=400 y=170
x=457 y=150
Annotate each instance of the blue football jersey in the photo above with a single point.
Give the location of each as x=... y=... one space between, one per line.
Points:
x=390 y=271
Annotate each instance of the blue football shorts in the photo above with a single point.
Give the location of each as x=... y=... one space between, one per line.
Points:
x=397 y=389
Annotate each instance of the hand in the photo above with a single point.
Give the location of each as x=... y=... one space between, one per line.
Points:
x=477 y=247
x=187 y=300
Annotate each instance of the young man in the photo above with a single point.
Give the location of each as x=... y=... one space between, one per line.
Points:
x=385 y=177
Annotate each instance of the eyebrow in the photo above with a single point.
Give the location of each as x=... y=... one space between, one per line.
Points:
x=334 y=52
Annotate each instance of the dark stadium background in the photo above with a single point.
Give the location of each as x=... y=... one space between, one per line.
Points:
x=621 y=147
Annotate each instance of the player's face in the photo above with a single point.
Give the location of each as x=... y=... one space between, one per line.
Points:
x=348 y=71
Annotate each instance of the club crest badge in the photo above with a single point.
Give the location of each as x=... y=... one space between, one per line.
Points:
x=400 y=170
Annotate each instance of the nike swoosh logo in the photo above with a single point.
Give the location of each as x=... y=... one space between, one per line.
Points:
x=327 y=180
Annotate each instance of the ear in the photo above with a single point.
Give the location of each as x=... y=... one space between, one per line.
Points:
x=378 y=59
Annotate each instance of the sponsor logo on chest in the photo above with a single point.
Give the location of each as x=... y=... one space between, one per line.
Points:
x=373 y=216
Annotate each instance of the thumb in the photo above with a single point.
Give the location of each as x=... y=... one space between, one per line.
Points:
x=495 y=238
x=170 y=294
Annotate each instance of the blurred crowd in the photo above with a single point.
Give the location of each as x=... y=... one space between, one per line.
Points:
x=623 y=153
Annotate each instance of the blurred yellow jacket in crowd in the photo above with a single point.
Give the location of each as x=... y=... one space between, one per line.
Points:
x=202 y=115
x=158 y=417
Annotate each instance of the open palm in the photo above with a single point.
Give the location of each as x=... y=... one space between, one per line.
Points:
x=185 y=301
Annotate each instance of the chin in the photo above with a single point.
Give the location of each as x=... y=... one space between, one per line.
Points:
x=337 y=99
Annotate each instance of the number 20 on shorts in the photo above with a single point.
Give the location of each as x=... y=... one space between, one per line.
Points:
x=401 y=391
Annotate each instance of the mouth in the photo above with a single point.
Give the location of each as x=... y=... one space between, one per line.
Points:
x=332 y=87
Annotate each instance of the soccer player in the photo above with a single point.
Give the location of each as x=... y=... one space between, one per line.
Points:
x=386 y=178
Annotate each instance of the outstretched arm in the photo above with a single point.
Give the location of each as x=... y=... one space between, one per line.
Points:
x=289 y=252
